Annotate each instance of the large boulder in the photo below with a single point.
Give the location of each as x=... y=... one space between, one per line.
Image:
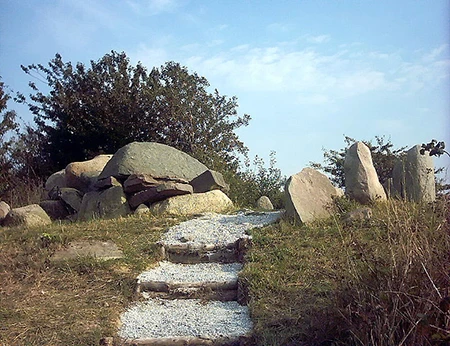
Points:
x=361 y=179
x=197 y=203
x=155 y=159
x=158 y=193
x=107 y=204
x=309 y=195
x=83 y=175
x=28 y=216
x=56 y=180
x=72 y=197
x=413 y=177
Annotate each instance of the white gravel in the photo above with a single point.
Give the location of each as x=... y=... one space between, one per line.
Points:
x=158 y=318
x=218 y=229
x=202 y=272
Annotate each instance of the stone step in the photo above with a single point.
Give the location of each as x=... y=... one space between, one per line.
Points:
x=212 y=281
x=192 y=252
x=185 y=322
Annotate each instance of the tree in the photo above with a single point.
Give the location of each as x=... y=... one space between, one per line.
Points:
x=383 y=157
x=102 y=107
x=8 y=127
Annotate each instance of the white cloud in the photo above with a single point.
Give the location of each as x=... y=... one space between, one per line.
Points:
x=317 y=39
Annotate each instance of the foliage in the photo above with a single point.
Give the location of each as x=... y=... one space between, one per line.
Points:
x=434 y=148
x=248 y=185
x=110 y=103
x=8 y=127
x=383 y=157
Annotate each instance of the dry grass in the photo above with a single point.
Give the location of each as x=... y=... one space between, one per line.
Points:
x=72 y=302
x=372 y=283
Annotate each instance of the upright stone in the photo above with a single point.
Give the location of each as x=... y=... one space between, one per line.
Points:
x=361 y=179
x=308 y=195
x=264 y=203
x=413 y=177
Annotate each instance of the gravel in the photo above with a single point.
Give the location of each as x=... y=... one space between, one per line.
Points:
x=158 y=318
x=203 y=272
x=218 y=229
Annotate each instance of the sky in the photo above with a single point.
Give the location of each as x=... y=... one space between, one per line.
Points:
x=307 y=71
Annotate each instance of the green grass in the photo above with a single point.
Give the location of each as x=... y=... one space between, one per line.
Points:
x=377 y=282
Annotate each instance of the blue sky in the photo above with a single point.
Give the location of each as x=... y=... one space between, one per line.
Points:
x=307 y=71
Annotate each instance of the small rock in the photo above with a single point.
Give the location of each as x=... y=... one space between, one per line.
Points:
x=264 y=203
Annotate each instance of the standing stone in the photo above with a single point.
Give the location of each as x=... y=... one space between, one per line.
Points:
x=155 y=159
x=29 y=216
x=107 y=204
x=83 y=175
x=264 y=203
x=4 y=210
x=361 y=179
x=308 y=195
x=413 y=177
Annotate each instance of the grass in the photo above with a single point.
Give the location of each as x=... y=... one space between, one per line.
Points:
x=74 y=302
x=377 y=282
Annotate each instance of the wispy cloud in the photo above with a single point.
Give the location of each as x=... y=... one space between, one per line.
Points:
x=317 y=39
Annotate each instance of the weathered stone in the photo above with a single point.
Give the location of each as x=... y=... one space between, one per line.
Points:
x=413 y=177
x=308 y=195
x=361 y=179
x=72 y=197
x=139 y=182
x=155 y=159
x=212 y=201
x=57 y=210
x=101 y=250
x=360 y=214
x=56 y=179
x=29 y=216
x=142 y=209
x=106 y=183
x=158 y=193
x=209 y=180
x=4 y=209
x=264 y=203
x=83 y=175
x=106 y=204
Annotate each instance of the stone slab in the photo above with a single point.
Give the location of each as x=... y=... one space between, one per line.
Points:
x=102 y=250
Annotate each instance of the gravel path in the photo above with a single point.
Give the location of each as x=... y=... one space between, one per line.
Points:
x=194 y=318
x=203 y=272
x=218 y=229
x=190 y=317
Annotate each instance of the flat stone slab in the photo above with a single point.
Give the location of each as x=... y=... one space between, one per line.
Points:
x=102 y=250
x=166 y=321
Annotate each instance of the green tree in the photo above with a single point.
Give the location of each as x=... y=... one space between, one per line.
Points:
x=110 y=103
x=8 y=128
x=384 y=157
